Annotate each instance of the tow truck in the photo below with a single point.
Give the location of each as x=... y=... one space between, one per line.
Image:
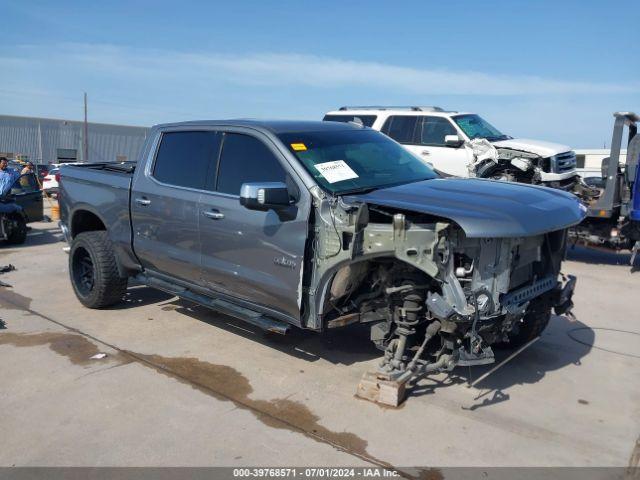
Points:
x=613 y=215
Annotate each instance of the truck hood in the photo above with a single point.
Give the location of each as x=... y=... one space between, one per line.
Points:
x=537 y=147
x=484 y=208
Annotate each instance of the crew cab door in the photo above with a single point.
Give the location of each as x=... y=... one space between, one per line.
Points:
x=165 y=198
x=424 y=136
x=254 y=256
x=26 y=193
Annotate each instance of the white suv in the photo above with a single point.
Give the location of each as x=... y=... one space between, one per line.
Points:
x=464 y=145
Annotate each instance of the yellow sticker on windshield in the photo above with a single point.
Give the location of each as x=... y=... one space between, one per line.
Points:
x=298 y=147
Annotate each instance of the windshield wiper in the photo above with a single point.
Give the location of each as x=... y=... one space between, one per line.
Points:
x=357 y=190
x=497 y=139
x=378 y=187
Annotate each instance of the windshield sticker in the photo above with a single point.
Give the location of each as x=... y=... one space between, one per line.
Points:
x=336 y=171
x=299 y=147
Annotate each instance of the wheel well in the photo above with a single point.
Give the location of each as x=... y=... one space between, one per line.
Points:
x=85 y=221
x=351 y=278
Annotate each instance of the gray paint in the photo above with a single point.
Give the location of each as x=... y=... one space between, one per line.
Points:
x=39 y=138
x=485 y=208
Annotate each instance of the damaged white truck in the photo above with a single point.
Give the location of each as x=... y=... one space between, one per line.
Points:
x=466 y=145
x=320 y=225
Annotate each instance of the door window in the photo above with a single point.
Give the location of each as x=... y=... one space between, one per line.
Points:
x=246 y=159
x=26 y=183
x=432 y=131
x=184 y=158
x=401 y=128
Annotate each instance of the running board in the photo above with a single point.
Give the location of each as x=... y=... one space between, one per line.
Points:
x=223 y=306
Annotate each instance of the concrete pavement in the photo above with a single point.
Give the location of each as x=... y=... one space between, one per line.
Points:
x=184 y=386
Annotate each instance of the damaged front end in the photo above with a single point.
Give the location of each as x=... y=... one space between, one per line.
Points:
x=515 y=165
x=433 y=297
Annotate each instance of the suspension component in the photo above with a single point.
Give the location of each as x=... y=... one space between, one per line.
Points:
x=388 y=384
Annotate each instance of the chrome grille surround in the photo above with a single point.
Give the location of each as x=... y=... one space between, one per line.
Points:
x=563 y=162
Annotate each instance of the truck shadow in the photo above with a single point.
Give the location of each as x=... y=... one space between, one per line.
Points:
x=344 y=346
x=351 y=345
x=40 y=234
x=139 y=295
x=598 y=257
x=554 y=351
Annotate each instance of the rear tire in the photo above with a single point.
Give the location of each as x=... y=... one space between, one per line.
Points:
x=533 y=324
x=94 y=271
x=18 y=234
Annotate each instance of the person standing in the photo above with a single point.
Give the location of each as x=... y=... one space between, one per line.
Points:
x=8 y=177
x=28 y=168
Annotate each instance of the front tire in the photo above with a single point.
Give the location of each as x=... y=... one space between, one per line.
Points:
x=18 y=233
x=94 y=272
x=533 y=324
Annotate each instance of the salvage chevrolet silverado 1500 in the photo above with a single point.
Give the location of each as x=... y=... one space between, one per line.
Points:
x=320 y=225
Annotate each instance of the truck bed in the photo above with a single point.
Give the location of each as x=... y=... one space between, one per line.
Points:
x=103 y=175
x=118 y=167
x=104 y=189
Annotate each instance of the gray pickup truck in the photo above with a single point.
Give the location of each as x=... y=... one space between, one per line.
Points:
x=320 y=225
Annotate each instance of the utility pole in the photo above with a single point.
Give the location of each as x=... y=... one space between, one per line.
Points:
x=86 y=131
x=40 y=160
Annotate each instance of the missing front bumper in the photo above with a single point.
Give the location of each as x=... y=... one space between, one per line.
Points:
x=563 y=302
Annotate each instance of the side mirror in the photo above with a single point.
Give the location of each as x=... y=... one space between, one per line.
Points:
x=264 y=196
x=453 y=141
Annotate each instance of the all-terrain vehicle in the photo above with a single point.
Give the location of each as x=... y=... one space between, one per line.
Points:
x=25 y=193
x=13 y=225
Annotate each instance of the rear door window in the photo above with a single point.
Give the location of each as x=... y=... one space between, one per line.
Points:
x=184 y=158
x=246 y=159
x=401 y=128
x=366 y=120
x=432 y=130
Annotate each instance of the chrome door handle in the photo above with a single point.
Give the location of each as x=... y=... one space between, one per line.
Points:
x=143 y=201
x=215 y=215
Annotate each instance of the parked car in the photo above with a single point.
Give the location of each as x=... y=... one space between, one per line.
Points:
x=50 y=182
x=466 y=145
x=319 y=225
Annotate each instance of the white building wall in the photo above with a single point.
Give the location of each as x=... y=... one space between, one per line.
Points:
x=593 y=160
x=40 y=139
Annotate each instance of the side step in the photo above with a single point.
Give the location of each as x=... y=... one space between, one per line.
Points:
x=223 y=306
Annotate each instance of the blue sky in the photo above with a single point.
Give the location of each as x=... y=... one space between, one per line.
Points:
x=552 y=70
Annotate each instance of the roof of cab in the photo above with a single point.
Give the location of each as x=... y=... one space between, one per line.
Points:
x=273 y=126
x=388 y=111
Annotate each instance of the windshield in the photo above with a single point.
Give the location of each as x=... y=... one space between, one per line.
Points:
x=345 y=161
x=366 y=120
x=476 y=127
